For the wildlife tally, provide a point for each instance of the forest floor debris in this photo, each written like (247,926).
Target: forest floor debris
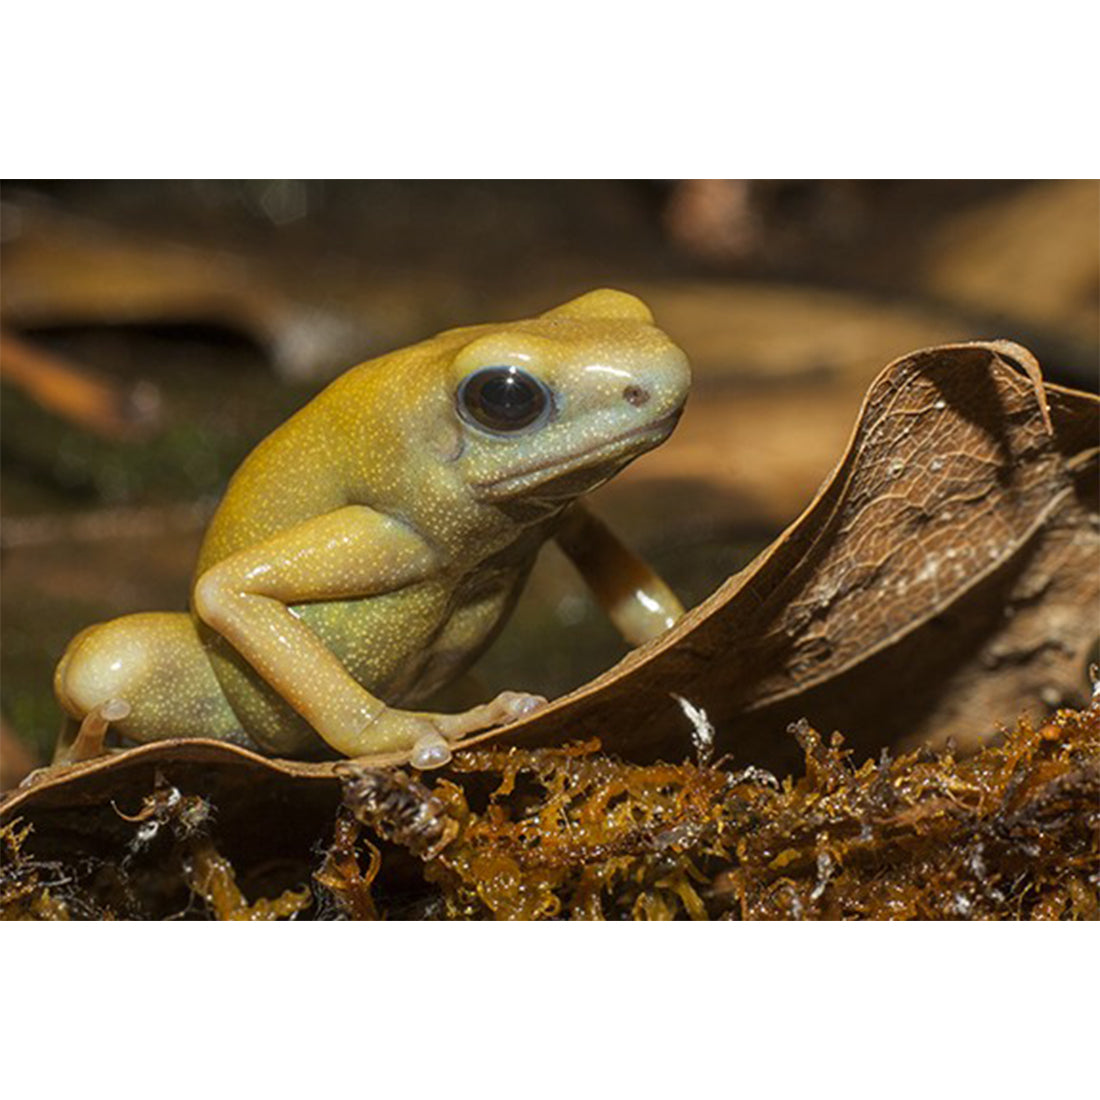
(1011,832)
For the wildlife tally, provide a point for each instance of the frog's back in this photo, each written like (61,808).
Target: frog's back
(336,450)
(287,478)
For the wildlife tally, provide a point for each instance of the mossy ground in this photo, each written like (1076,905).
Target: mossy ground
(1009,833)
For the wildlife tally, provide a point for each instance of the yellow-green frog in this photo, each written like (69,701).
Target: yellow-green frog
(370,548)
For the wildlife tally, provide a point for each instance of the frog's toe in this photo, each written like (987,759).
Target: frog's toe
(507,707)
(91,735)
(511,706)
(430,751)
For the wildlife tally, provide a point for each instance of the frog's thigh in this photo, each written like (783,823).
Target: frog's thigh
(155,663)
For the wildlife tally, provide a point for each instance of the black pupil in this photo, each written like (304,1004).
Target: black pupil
(503,398)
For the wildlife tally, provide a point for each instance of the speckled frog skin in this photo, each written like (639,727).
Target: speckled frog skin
(368,550)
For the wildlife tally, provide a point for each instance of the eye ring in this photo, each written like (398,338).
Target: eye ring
(504,400)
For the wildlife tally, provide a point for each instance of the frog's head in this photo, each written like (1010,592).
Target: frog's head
(552,407)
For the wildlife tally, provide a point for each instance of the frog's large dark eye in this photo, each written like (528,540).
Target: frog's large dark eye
(503,399)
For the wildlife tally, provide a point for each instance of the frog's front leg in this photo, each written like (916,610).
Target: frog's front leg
(351,553)
(638,602)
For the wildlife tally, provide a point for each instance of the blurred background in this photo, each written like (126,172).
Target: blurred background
(154,331)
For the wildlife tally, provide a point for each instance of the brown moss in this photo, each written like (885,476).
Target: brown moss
(212,877)
(26,891)
(1011,832)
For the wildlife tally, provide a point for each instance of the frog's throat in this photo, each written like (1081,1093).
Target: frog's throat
(611,454)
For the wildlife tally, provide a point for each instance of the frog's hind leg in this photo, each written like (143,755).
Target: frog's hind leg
(147,677)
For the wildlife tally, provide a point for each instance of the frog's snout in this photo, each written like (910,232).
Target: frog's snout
(658,385)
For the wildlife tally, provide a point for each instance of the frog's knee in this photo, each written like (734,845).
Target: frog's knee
(212,597)
(102,662)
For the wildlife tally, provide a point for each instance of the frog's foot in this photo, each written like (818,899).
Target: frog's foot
(92,732)
(433,749)
(507,707)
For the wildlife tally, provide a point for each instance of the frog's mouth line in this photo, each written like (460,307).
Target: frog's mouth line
(518,482)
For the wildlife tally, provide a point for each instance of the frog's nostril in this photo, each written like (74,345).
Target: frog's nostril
(636,395)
